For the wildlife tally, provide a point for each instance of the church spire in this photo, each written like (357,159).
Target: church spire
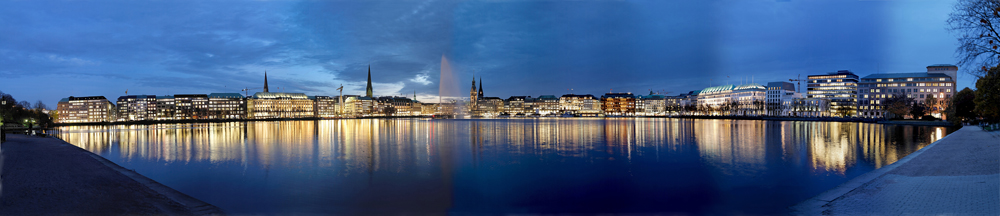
(480,88)
(368,90)
(265,81)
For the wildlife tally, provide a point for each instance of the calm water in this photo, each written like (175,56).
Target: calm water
(365,166)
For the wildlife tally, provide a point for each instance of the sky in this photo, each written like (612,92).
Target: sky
(55,49)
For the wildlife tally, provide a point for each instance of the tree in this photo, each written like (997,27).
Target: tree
(976,22)
(918,110)
(898,105)
(962,106)
(988,95)
(389,111)
(24,105)
(932,104)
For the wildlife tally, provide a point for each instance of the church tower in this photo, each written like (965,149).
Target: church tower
(480,94)
(473,95)
(368,90)
(265,82)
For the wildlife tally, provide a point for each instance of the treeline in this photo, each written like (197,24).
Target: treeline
(23,112)
(980,105)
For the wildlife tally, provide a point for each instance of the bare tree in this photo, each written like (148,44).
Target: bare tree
(976,22)
(24,104)
(40,106)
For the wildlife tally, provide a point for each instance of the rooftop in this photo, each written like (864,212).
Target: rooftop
(904,75)
(279,95)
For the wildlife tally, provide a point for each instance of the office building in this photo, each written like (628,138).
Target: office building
(190,106)
(226,106)
(326,106)
(840,88)
(937,82)
(90,109)
(269,105)
(778,93)
(136,108)
(165,109)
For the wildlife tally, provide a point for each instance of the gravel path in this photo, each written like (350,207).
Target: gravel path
(48,176)
(957,175)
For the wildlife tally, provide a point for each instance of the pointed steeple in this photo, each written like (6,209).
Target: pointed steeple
(368,90)
(265,81)
(480,88)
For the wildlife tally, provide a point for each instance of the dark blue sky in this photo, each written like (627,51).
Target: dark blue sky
(55,49)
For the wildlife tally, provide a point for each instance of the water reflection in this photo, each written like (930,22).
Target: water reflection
(419,165)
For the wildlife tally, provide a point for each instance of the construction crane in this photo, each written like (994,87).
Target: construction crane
(798,79)
(341,90)
(246,91)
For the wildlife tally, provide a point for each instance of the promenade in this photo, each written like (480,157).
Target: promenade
(957,175)
(44,176)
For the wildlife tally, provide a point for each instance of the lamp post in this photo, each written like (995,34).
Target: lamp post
(30,123)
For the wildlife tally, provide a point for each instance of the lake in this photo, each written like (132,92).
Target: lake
(487,166)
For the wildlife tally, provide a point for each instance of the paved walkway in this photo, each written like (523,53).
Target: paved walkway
(957,175)
(45,176)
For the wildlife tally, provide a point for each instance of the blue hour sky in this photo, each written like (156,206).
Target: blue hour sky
(55,49)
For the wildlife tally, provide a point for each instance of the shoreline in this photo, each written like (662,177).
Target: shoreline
(930,177)
(766,118)
(41,173)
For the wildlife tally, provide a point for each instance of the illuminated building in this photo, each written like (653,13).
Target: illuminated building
(226,106)
(86,110)
(136,108)
(268,105)
(545,105)
(777,94)
(808,107)
(401,106)
(938,82)
(190,106)
(840,88)
(749,99)
(580,105)
(325,106)
(165,108)
(429,109)
(515,105)
(358,106)
(618,104)
(491,106)
(716,96)
(650,105)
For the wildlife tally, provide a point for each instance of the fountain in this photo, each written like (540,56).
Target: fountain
(449,95)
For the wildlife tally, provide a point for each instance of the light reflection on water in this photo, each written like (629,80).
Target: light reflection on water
(508,166)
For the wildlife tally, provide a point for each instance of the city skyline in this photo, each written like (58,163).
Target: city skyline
(635,49)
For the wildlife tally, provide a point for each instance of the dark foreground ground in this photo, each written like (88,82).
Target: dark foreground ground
(44,176)
(957,175)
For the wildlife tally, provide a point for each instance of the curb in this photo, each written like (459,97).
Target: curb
(817,204)
(194,205)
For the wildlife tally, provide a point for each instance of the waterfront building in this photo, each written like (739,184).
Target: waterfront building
(190,106)
(396,106)
(427,109)
(358,106)
(491,106)
(226,106)
(136,108)
(618,104)
(165,109)
(90,109)
(715,100)
(673,105)
(651,105)
(325,106)
(515,105)
(748,99)
(840,88)
(268,105)
(808,107)
(580,105)
(777,94)
(937,82)
(546,105)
